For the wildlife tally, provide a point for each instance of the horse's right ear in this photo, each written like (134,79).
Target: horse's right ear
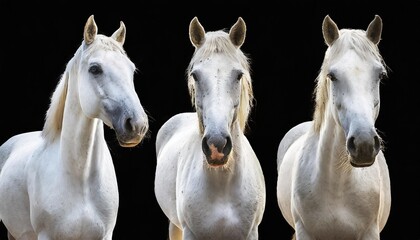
(90,31)
(196,32)
(330,30)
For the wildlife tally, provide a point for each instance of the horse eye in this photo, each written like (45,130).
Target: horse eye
(95,69)
(194,76)
(383,75)
(239,76)
(331,77)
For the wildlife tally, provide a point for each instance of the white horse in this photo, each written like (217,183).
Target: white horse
(333,180)
(60,183)
(209,182)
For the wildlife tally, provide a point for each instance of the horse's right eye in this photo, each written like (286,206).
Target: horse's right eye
(194,76)
(95,69)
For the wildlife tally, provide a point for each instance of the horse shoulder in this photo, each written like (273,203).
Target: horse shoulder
(290,137)
(171,138)
(247,148)
(176,124)
(17,145)
(383,167)
(288,151)
(256,177)
(252,158)
(385,205)
(15,155)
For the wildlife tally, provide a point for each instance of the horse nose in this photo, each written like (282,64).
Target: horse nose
(216,149)
(135,129)
(363,148)
(139,125)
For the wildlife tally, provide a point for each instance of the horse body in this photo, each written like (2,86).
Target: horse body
(60,183)
(51,197)
(333,180)
(209,182)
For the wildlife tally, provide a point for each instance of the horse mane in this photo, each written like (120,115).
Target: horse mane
(349,39)
(219,42)
(54,116)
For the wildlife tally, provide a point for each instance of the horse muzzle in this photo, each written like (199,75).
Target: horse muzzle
(216,149)
(131,132)
(363,148)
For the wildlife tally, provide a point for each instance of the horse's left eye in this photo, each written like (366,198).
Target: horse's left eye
(331,76)
(95,69)
(239,76)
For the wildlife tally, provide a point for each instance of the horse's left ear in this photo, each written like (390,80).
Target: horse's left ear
(90,31)
(237,32)
(374,30)
(119,34)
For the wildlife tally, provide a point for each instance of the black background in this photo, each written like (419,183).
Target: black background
(285,44)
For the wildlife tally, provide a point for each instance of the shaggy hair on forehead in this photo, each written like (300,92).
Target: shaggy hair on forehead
(105,43)
(349,39)
(218,42)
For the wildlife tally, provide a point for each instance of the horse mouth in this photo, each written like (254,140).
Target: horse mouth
(130,142)
(361,164)
(217,162)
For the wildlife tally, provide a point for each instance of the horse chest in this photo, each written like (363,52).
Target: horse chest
(345,215)
(211,207)
(356,198)
(229,217)
(68,209)
(81,220)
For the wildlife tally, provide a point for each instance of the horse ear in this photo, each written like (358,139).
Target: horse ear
(237,32)
(330,30)
(197,32)
(374,30)
(90,31)
(119,34)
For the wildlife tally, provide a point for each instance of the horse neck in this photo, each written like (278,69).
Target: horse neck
(331,151)
(82,139)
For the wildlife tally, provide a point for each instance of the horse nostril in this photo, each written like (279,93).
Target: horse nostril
(377,143)
(129,125)
(351,145)
(228,146)
(205,146)
(144,129)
